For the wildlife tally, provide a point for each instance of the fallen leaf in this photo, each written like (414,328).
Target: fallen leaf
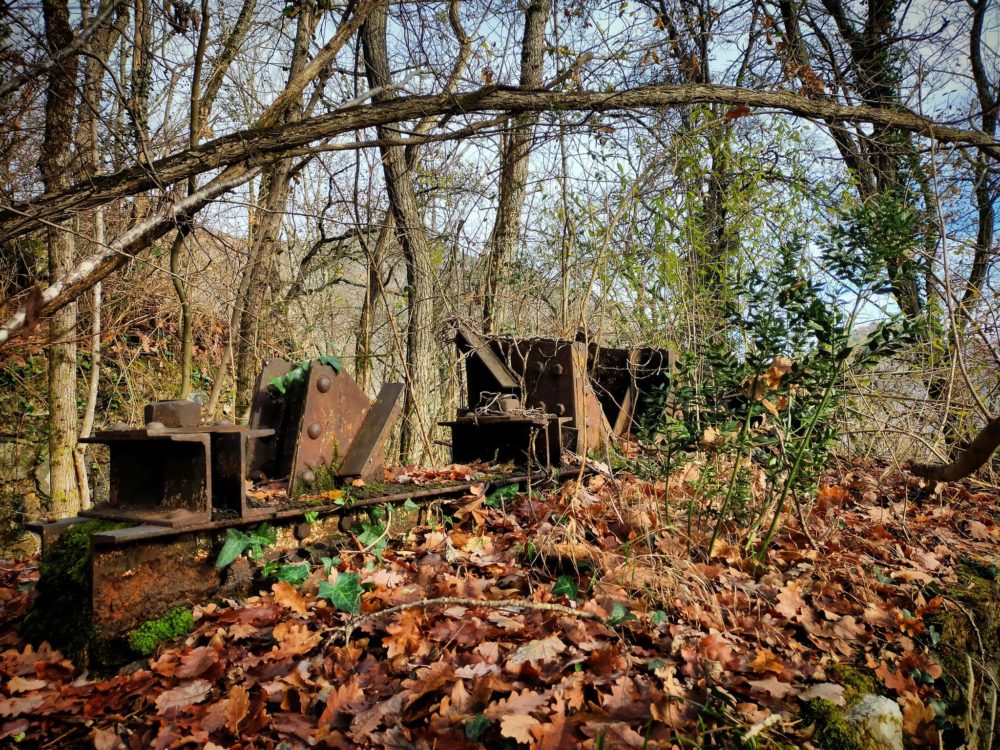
(288,596)
(774,688)
(766,661)
(826,691)
(237,708)
(537,651)
(185,694)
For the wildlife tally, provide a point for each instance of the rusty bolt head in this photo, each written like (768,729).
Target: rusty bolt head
(314,430)
(560,409)
(323,384)
(557,370)
(308,476)
(302,530)
(155,427)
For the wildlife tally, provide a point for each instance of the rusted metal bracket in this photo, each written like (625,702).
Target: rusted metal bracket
(584,394)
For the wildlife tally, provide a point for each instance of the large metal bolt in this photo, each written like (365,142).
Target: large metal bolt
(302,530)
(323,384)
(560,409)
(557,370)
(308,476)
(314,430)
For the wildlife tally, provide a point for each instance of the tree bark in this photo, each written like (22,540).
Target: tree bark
(60,106)
(418,408)
(968,461)
(266,144)
(276,188)
(102,34)
(183,231)
(263,142)
(514,161)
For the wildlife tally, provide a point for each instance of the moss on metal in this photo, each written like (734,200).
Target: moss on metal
(62,614)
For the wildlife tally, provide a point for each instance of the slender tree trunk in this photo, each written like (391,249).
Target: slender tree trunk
(514,160)
(254,304)
(253,308)
(418,407)
(373,288)
(176,275)
(60,106)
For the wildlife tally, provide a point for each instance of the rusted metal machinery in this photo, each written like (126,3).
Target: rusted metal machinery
(530,398)
(182,485)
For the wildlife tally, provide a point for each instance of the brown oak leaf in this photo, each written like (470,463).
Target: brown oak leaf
(537,651)
(185,694)
(288,596)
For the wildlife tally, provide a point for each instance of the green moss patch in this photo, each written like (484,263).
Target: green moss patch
(970,630)
(857,681)
(63,613)
(833,731)
(145,639)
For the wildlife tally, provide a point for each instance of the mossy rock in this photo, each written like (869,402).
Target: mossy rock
(63,614)
(857,682)
(970,630)
(832,729)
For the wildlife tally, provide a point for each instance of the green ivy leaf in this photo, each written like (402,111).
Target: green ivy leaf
(658,617)
(565,586)
(345,594)
(294,574)
(619,615)
(331,361)
(475,726)
(236,543)
(328,563)
(410,505)
(311,517)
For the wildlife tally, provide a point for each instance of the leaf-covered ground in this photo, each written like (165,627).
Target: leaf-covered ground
(627,637)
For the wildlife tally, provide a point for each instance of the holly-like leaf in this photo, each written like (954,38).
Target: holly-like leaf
(344,594)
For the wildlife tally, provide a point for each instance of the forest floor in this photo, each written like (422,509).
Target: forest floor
(622,634)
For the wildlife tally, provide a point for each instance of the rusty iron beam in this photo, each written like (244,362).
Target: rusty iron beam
(364,457)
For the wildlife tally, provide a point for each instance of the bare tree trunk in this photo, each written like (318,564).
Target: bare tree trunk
(60,105)
(374,255)
(274,196)
(985,183)
(88,152)
(418,407)
(179,282)
(515,156)
(253,304)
